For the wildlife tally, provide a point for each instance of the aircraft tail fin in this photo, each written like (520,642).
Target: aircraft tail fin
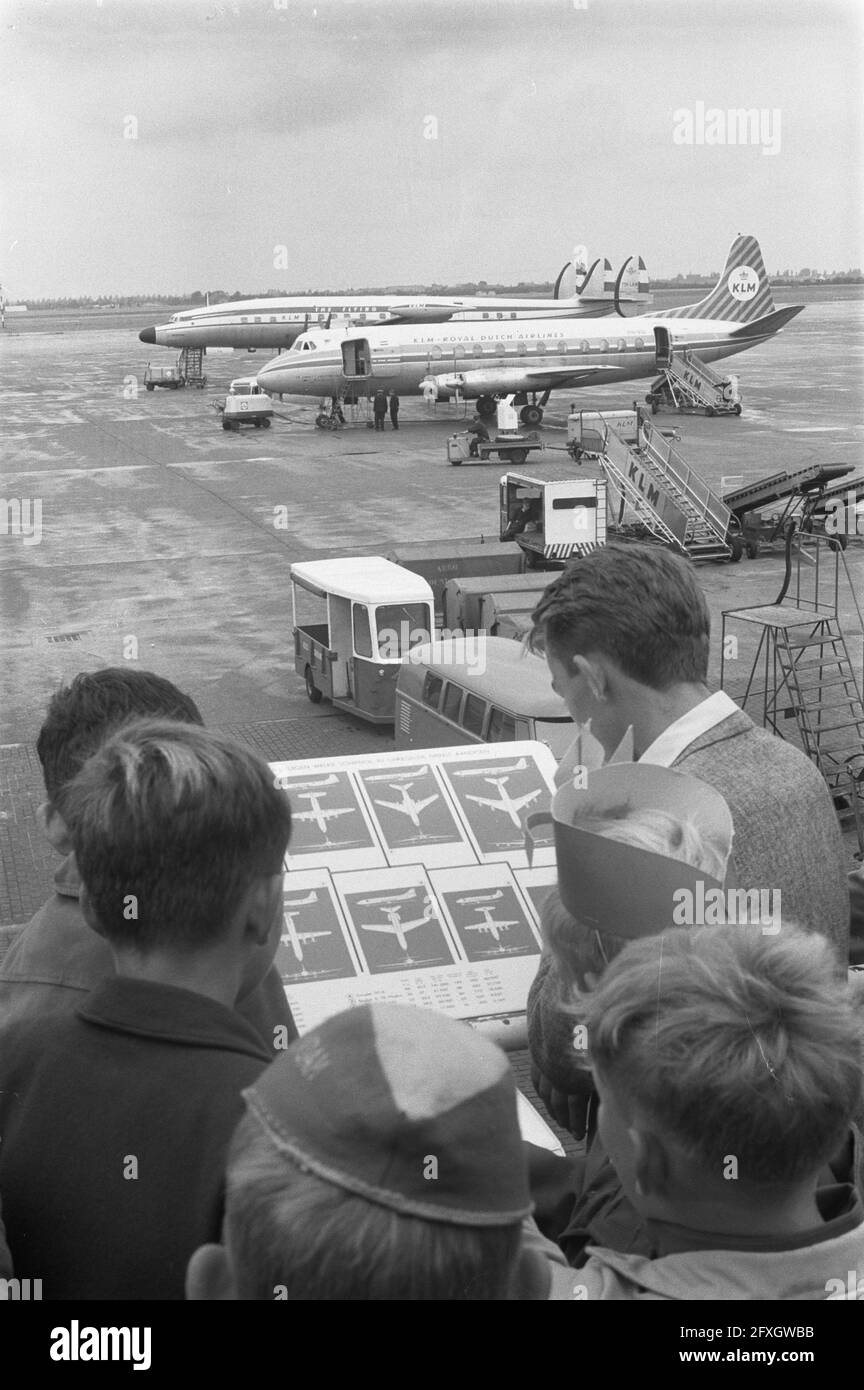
(576,280)
(742,293)
(633,283)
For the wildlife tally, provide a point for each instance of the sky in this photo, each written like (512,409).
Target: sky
(174,145)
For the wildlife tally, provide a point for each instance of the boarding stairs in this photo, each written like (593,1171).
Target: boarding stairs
(190,365)
(688,383)
(668,498)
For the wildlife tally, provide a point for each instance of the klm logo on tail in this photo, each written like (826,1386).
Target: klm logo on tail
(742,293)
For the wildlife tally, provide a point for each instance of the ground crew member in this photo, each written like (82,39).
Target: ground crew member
(478,431)
(394,410)
(379,408)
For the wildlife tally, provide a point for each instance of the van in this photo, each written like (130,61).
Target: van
(478,690)
(440,561)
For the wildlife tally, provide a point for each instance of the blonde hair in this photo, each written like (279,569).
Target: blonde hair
(649,828)
(732,1043)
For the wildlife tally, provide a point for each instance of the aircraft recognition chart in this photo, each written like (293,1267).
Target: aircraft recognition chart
(407,880)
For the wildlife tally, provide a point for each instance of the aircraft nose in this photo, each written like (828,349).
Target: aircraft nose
(147,335)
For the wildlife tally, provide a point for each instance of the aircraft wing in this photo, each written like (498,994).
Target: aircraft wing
(393,806)
(486,801)
(384,927)
(565,376)
(427,801)
(311,935)
(324,812)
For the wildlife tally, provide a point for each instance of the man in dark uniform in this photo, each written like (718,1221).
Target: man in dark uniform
(478,431)
(379,408)
(394,410)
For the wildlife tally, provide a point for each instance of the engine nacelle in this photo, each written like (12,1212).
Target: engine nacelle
(491,381)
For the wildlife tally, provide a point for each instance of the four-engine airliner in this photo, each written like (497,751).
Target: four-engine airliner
(277,321)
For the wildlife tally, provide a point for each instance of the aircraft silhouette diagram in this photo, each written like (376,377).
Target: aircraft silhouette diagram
(407,806)
(505,803)
(391,907)
(484,904)
(291,936)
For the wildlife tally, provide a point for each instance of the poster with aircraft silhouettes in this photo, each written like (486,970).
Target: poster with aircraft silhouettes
(407,880)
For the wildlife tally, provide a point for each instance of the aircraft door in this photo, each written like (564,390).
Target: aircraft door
(662,346)
(356,358)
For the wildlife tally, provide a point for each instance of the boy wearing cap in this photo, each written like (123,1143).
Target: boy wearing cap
(57,960)
(116,1117)
(729,1068)
(379,1158)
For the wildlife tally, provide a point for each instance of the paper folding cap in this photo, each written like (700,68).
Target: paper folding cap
(623,888)
(405,1107)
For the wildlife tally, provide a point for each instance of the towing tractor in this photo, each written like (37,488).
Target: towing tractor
(245,404)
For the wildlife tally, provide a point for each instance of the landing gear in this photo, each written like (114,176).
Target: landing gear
(531,415)
(311,688)
(486,407)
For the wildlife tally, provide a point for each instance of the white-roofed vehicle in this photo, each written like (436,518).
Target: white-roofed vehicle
(246,404)
(364,615)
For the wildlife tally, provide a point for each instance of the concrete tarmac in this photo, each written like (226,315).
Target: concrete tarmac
(159,529)
(166,539)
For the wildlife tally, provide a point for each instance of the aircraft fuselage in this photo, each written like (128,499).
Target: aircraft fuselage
(527,356)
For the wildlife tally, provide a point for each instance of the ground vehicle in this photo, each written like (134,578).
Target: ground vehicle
(552,519)
(510,448)
(463,598)
(478,690)
(373,613)
(169,377)
(440,561)
(246,404)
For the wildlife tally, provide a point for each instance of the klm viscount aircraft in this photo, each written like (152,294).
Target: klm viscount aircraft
(276,322)
(481,361)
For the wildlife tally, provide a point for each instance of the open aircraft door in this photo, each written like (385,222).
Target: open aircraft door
(356,359)
(662,346)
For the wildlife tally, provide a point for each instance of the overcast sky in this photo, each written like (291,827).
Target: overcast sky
(173,145)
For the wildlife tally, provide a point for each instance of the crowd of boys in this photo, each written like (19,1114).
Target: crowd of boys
(165,1134)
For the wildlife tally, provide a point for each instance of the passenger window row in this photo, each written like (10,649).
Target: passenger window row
(470,711)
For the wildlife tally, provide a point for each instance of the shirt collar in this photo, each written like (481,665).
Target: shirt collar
(168,1014)
(697,721)
(838,1204)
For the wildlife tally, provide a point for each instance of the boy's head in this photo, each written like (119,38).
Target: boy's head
(728,1065)
(380,1158)
(178,832)
(80,717)
(625,615)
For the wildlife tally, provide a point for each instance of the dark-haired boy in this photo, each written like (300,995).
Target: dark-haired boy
(115,1117)
(57,959)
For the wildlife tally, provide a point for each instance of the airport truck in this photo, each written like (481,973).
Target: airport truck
(362,616)
(245,404)
(464,597)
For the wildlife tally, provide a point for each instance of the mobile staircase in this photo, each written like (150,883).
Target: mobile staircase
(190,365)
(661,494)
(686,383)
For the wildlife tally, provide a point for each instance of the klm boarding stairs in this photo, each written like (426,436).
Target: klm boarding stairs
(686,383)
(658,494)
(802,684)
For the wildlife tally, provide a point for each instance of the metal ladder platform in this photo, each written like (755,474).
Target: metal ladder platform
(803,686)
(190,364)
(668,498)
